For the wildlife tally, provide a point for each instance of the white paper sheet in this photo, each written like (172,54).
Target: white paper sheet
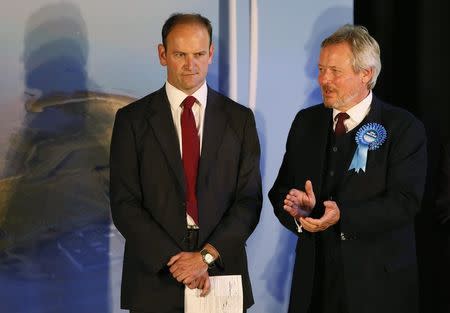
(225,296)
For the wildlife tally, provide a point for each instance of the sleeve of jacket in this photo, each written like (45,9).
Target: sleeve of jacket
(405,180)
(144,237)
(242,217)
(285,179)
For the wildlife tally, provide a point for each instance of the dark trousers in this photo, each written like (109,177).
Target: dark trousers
(328,287)
(190,244)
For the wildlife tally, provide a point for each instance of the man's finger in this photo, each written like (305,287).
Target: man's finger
(193,285)
(189,280)
(295,211)
(312,221)
(174,268)
(313,225)
(295,193)
(309,190)
(309,227)
(295,199)
(174,259)
(288,202)
(290,210)
(330,203)
(184,277)
(178,273)
(206,287)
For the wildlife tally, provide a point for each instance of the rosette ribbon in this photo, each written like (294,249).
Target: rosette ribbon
(369,137)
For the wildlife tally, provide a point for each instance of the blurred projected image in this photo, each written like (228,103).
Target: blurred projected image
(57,245)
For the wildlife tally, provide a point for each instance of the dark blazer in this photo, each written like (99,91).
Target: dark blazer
(443,214)
(148,193)
(377,209)
(443,189)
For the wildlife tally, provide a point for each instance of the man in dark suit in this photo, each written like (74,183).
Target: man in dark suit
(185,178)
(349,186)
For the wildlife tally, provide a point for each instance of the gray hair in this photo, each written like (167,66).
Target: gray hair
(365,49)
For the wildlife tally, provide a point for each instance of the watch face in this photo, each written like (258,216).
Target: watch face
(209,258)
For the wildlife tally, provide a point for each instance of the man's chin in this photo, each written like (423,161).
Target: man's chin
(192,83)
(190,87)
(328,104)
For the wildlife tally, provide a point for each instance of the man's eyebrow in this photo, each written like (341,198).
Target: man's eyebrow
(334,67)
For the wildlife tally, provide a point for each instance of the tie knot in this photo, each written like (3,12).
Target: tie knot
(340,128)
(188,102)
(341,117)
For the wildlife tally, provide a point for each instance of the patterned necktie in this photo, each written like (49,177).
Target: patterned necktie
(340,127)
(191,155)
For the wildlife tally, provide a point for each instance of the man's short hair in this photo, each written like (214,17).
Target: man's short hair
(185,18)
(365,49)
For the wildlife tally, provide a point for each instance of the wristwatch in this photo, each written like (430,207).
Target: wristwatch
(207,257)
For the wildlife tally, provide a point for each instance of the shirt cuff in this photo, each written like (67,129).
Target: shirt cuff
(299,226)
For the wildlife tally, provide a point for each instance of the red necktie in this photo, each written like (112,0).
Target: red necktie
(340,127)
(191,155)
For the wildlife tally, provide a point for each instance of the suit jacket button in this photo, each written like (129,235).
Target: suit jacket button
(343,236)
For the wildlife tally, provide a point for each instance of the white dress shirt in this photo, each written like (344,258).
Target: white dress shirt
(357,113)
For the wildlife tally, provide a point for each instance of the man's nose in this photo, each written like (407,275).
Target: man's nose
(324,77)
(189,62)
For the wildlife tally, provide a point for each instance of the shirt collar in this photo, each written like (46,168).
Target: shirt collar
(176,96)
(359,111)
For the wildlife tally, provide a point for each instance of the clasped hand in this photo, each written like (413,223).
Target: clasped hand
(299,205)
(188,268)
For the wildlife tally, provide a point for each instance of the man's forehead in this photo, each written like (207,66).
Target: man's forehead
(331,55)
(188,26)
(180,35)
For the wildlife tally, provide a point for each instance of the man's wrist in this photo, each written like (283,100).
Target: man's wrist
(207,257)
(212,250)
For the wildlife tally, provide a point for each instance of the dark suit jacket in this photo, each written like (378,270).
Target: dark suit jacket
(443,192)
(148,193)
(443,210)
(377,209)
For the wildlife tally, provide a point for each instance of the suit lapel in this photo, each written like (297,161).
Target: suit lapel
(213,131)
(161,121)
(374,115)
(318,146)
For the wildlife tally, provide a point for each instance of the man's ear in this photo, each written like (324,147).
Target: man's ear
(211,53)
(366,75)
(162,55)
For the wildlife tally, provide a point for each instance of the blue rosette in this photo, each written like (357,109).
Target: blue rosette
(369,137)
